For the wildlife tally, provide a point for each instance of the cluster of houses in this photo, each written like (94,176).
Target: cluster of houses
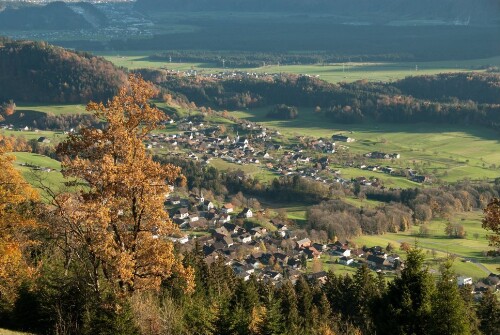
(491,283)
(278,254)
(203,142)
(408,172)
(307,158)
(204,215)
(251,249)
(382,155)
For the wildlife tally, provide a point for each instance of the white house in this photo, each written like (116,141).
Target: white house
(246,213)
(182,213)
(343,252)
(464,281)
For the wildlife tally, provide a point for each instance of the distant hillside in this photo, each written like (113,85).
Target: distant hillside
(380,11)
(39,72)
(53,16)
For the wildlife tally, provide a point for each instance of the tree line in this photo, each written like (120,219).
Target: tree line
(242,59)
(448,98)
(222,303)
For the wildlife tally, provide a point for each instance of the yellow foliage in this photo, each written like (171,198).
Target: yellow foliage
(257,320)
(118,223)
(14,225)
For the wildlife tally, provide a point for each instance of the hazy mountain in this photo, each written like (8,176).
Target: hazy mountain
(53,16)
(452,11)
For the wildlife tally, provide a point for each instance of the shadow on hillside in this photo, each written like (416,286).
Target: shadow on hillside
(25,118)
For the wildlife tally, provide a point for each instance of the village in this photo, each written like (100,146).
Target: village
(240,238)
(272,249)
(264,147)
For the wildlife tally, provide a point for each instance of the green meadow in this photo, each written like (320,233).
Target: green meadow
(51,108)
(451,152)
(40,178)
(334,73)
(254,170)
(468,252)
(55,137)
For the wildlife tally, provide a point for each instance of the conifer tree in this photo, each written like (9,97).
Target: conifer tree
(304,302)
(489,314)
(273,321)
(448,307)
(470,309)
(289,309)
(406,309)
(365,291)
(324,323)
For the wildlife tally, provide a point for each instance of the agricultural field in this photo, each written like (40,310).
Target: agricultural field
(467,253)
(51,108)
(54,137)
(448,151)
(334,73)
(39,170)
(254,170)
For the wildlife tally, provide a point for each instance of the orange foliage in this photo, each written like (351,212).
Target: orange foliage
(14,224)
(118,224)
(14,143)
(491,222)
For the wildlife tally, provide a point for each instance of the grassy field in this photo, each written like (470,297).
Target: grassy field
(469,248)
(54,178)
(253,170)
(51,108)
(55,137)
(336,72)
(452,152)
(436,245)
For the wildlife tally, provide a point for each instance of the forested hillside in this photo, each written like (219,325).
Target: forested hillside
(447,98)
(39,72)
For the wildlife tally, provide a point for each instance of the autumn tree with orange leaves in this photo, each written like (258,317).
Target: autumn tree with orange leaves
(116,226)
(491,222)
(15,227)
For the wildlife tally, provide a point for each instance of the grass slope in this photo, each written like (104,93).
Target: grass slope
(51,108)
(37,178)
